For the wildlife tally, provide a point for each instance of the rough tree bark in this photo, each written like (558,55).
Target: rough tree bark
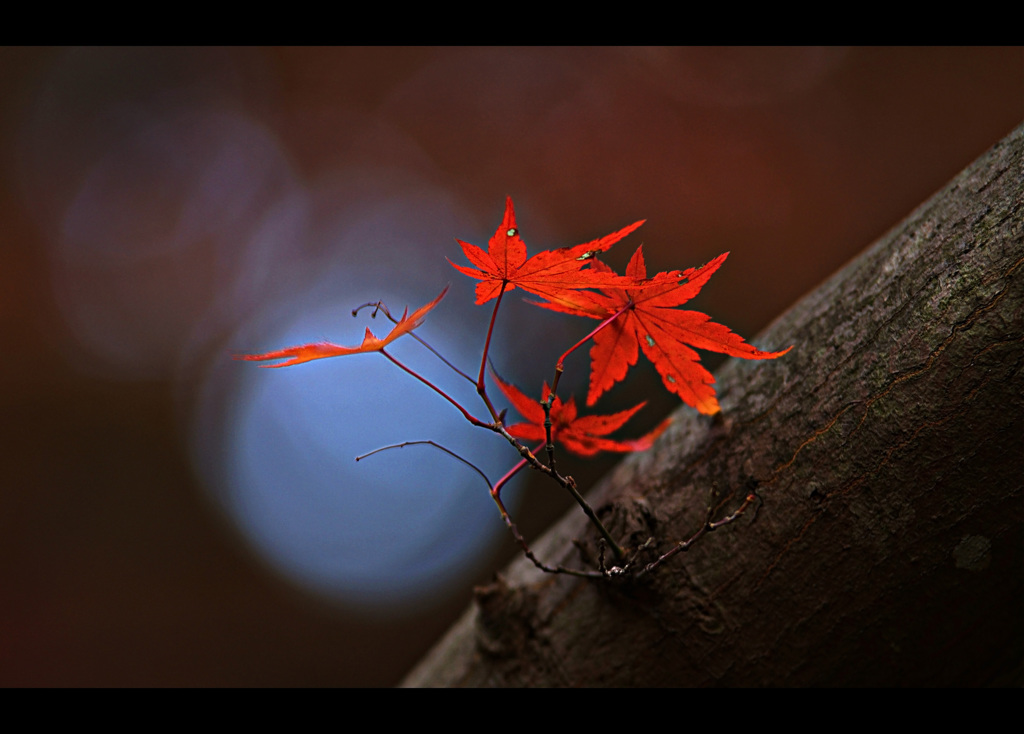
(888,448)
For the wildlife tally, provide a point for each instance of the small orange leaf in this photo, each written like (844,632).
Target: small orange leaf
(321,350)
(583,435)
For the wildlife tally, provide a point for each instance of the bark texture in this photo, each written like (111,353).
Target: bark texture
(888,448)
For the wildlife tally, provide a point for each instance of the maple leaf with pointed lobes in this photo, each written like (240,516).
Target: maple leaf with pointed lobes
(650,321)
(321,350)
(584,436)
(547,274)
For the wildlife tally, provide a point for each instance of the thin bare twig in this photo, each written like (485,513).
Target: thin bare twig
(481,387)
(472,419)
(379,306)
(495,491)
(566,482)
(708,527)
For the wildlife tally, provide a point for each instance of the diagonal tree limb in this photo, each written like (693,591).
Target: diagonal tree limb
(888,448)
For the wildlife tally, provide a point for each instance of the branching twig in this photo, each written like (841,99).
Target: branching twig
(495,490)
(472,419)
(379,306)
(566,482)
(706,528)
(555,275)
(530,458)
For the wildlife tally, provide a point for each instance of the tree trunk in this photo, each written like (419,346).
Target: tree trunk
(888,449)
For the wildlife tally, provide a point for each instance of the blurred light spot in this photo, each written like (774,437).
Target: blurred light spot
(277,447)
(402,527)
(177,229)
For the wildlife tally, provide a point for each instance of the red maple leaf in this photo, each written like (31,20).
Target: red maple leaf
(649,320)
(584,436)
(547,274)
(320,350)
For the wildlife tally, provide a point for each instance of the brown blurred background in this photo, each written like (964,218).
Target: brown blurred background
(154,202)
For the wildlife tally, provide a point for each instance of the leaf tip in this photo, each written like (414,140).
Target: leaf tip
(709,406)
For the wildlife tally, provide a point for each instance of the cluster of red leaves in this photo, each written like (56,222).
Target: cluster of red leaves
(636,312)
(572,281)
(640,313)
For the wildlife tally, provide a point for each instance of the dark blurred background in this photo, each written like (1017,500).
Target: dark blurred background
(171,517)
